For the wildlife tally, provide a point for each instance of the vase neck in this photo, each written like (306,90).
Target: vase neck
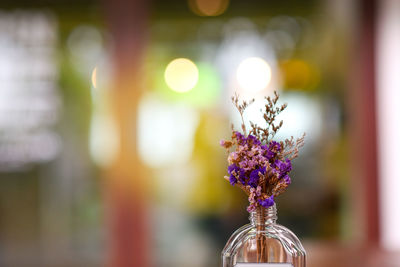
(263,215)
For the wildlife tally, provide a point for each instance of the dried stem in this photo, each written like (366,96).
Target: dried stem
(241,107)
(260,237)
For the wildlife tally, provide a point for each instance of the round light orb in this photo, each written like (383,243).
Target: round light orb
(181,75)
(208,7)
(253,74)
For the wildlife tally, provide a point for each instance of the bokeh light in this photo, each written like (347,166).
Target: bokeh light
(104,143)
(205,94)
(85,45)
(253,74)
(299,74)
(181,75)
(208,7)
(166,131)
(94,78)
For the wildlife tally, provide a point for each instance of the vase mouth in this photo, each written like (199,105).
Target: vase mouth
(263,215)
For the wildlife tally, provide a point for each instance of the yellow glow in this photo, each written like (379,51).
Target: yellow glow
(208,7)
(299,74)
(181,75)
(94,77)
(253,74)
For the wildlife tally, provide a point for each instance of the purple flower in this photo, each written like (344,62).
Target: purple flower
(269,154)
(232,168)
(251,163)
(287,180)
(243,163)
(283,167)
(255,177)
(253,140)
(264,147)
(274,146)
(271,150)
(239,137)
(266,203)
(235,171)
(232,179)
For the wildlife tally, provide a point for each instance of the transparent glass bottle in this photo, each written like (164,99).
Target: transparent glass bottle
(263,241)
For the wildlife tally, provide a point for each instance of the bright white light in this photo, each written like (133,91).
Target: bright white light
(181,75)
(29,95)
(166,132)
(253,74)
(388,99)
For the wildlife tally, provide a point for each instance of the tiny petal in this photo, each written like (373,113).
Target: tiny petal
(226,144)
(254,178)
(287,179)
(253,140)
(251,208)
(232,179)
(233,156)
(232,168)
(258,191)
(268,202)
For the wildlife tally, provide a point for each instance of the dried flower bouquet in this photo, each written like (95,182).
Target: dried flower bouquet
(259,165)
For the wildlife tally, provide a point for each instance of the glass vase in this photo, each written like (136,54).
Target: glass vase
(263,242)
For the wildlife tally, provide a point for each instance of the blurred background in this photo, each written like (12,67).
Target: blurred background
(111,113)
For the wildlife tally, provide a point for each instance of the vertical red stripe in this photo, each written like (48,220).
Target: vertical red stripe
(362,124)
(125,186)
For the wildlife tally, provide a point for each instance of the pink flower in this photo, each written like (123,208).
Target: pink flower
(258,191)
(251,207)
(233,156)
